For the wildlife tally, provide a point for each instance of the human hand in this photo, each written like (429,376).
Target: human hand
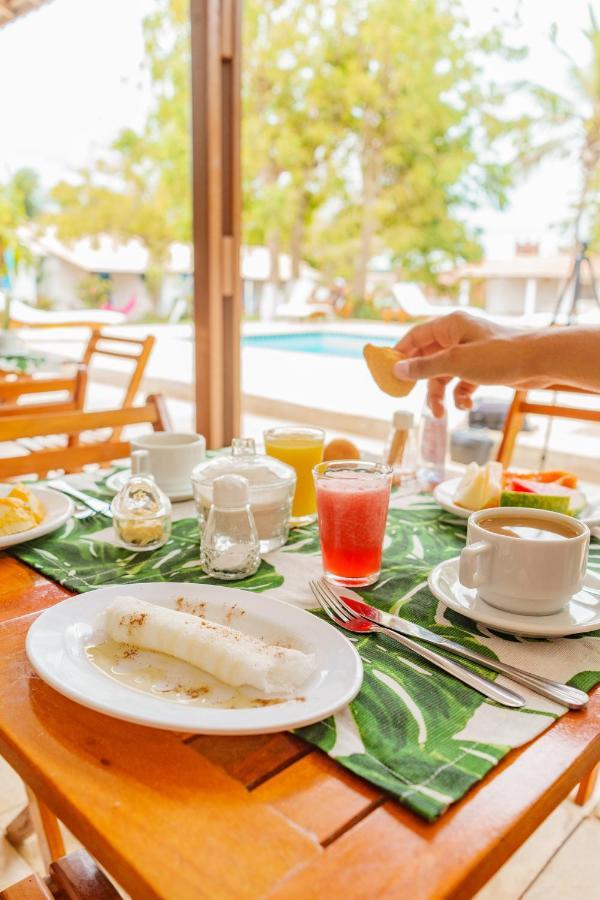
(476,351)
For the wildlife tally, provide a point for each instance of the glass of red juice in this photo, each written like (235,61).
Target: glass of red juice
(352,504)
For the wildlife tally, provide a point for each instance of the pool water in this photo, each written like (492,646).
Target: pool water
(319,342)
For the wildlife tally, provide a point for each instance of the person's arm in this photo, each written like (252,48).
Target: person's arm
(479,352)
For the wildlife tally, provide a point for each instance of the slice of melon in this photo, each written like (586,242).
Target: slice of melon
(577,499)
(559,504)
(381,362)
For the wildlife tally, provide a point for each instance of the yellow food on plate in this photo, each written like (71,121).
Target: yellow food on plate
(381,362)
(480,487)
(340,448)
(20,511)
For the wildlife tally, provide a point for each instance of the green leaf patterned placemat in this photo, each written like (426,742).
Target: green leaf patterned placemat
(412,730)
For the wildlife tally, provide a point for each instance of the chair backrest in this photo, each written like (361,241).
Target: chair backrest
(137,350)
(521,406)
(72,423)
(12,390)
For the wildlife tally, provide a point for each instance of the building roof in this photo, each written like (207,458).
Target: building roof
(12,9)
(522,267)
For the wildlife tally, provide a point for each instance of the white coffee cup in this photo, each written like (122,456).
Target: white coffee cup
(521,575)
(172,455)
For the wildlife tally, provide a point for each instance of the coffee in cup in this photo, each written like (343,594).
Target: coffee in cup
(525,561)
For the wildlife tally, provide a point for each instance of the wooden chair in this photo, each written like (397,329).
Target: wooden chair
(137,350)
(12,390)
(520,406)
(72,877)
(36,816)
(71,458)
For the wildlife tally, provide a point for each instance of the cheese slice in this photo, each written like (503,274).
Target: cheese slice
(229,655)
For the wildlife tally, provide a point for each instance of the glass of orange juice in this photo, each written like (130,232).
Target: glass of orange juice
(302,449)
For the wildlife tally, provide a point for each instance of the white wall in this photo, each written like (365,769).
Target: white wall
(60,282)
(505,296)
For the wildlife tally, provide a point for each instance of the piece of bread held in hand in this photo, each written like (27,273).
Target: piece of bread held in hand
(381,362)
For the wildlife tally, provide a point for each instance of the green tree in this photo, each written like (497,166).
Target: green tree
(368,128)
(20,204)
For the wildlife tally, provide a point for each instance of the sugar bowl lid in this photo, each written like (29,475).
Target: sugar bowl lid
(259,470)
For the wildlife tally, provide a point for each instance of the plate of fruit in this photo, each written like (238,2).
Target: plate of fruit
(483,487)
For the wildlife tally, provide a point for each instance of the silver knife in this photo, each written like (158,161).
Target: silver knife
(99,506)
(554,690)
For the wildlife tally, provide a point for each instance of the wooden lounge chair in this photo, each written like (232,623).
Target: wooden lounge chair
(24,316)
(72,877)
(79,449)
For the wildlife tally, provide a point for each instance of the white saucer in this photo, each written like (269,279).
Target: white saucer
(116,481)
(581,614)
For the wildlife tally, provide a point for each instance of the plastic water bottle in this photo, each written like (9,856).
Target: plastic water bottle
(433,440)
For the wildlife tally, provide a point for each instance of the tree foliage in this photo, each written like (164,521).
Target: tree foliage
(20,202)
(368,129)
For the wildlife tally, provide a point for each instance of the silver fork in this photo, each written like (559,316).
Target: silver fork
(358,625)
(554,690)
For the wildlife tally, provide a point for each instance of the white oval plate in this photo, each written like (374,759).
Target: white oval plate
(581,614)
(59,508)
(116,481)
(57,641)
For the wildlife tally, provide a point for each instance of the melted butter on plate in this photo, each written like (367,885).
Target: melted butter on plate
(171,679)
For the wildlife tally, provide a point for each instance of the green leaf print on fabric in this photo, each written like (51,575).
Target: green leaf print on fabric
(79,559)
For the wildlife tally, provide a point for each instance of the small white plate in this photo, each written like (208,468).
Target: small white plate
(444,494)
(57,642)
(116,481)
(58,509)
(581,614)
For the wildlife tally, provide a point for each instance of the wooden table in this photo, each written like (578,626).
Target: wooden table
(177,816)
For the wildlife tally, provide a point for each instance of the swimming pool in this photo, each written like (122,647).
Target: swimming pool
(322,343)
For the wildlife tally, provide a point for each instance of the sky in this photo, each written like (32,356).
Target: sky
(71,77)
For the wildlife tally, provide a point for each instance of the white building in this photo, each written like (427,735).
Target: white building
(60,268)
(524,285)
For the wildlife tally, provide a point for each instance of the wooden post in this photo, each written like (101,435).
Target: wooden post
(216,112)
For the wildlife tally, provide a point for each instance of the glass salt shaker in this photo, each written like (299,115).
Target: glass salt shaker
(230,544)
(141,511)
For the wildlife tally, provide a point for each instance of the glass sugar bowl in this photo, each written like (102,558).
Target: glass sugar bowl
(141,511)
(271,486)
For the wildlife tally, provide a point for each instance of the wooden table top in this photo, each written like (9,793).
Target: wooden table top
(178,816)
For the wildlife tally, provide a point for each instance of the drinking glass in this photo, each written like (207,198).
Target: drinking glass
(352,504)
(302,449)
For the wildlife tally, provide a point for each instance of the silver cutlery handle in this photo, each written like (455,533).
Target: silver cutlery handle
(486,687)
(554,690)
(64,488)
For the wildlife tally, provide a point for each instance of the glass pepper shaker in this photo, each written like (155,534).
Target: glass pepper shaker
(230,544)
(141,511)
